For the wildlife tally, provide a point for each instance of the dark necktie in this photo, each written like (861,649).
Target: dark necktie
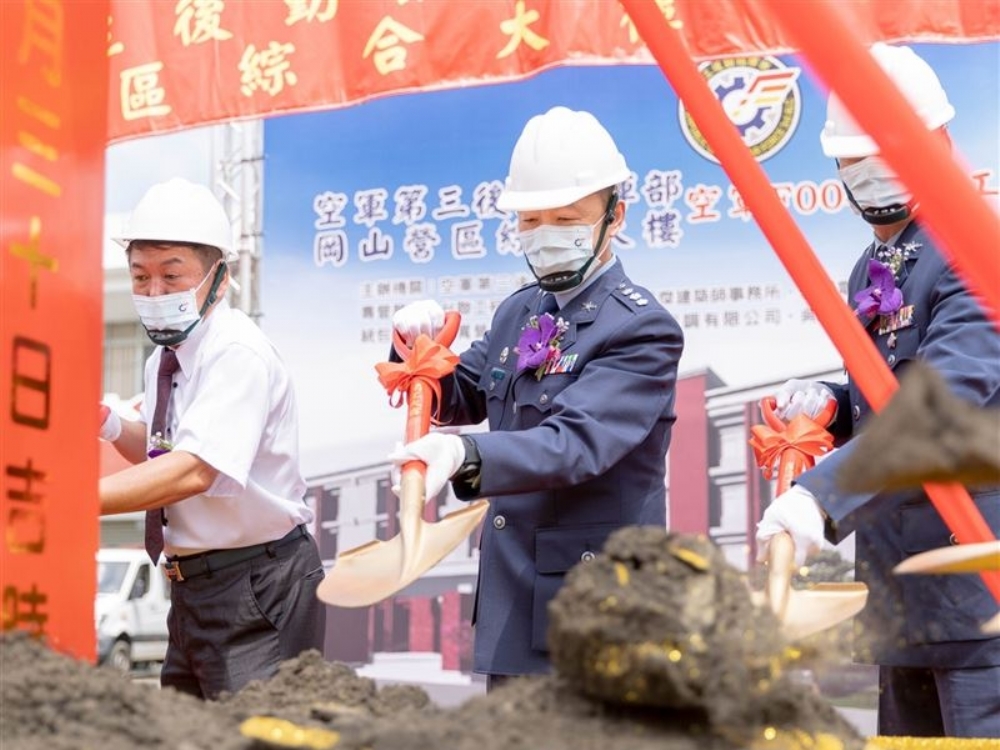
(164,385)
(548,304)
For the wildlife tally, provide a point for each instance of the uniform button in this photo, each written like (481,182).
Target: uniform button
(543,399)
(892,359)
(952,539)
(499,522)
(587,556)
(856,411)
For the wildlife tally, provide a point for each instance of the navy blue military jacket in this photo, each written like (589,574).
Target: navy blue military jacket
(570,456)
(931,621)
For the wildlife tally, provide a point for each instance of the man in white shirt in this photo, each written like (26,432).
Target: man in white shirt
(215,456)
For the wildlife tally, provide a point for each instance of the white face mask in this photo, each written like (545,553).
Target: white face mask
(873,184)
(169,318)
(560,257)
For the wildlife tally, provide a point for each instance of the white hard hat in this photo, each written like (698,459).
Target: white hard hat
(180,211)
(842,137)
(561,157)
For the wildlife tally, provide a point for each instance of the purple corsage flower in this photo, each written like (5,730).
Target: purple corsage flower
(539,343)
(882,297)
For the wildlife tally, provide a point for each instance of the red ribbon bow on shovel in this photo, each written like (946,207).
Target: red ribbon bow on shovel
(416,378)
(793,447)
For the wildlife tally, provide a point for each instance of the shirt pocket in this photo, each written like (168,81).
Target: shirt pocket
(495,382)
(535,397)
(906,342)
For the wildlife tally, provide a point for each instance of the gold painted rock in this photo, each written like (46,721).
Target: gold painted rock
(661,619)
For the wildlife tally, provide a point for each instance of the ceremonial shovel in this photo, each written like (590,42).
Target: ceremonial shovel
(374,571)
(794,447)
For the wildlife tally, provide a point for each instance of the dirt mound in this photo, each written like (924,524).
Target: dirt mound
(739,697)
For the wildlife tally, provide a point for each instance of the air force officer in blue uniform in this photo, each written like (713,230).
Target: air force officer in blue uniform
(939,673)
(576,378)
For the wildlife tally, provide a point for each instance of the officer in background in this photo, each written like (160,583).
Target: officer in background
(939,674)
(215,454)
(576,378)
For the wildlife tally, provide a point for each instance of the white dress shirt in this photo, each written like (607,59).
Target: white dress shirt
(233,406)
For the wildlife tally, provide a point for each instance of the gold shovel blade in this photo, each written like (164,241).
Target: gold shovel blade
(805,612)
(822,606)
(992,626)
(961,558)
(377,570)
(813,610)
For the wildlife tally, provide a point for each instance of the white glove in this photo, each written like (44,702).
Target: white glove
(111,424)
(443,454)
(801,397)
(425,316)
(797,512)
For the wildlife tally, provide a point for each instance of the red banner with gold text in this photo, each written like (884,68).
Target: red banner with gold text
(52,130)
(176,63)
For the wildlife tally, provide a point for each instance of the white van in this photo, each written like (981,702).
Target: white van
(133,599)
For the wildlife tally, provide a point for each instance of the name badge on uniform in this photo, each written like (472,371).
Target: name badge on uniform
(902,318)
(565,363)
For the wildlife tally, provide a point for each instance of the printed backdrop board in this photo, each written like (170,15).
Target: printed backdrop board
(374,206)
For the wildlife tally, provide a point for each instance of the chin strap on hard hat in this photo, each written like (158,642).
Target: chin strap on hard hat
(881,216)
(173,338)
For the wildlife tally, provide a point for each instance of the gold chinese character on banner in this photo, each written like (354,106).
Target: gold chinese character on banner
(199,21)
(114,48)
(141,93)
(268,70)
(43,33)
(669,10)
(36,141)
(32,253)
(310,10)
(517,29)
(388,39)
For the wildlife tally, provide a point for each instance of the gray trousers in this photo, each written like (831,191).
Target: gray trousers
(238,624)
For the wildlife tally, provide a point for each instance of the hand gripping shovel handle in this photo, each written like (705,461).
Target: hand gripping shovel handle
(781,550)
(794,447)
(372,572)
(419,407)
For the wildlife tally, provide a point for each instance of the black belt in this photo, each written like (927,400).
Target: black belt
(182,568)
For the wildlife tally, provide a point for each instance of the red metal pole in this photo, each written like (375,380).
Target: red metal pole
(968,228)
(863,361)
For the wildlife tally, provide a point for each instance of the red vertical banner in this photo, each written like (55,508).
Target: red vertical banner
(53,96)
